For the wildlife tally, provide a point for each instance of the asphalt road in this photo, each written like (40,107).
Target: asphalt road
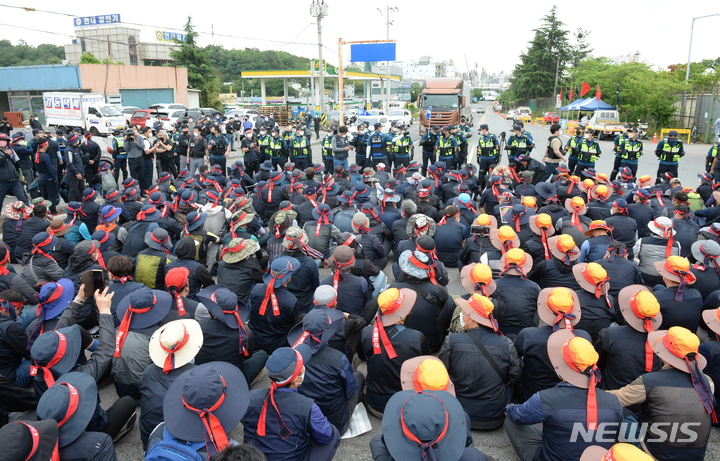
(493,443)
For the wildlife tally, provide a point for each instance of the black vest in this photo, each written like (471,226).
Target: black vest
(449,238)
(624,356)
(596,314)
(555,277)
(520,298)
(324,384)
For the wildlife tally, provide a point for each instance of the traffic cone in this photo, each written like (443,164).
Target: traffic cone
(655,137)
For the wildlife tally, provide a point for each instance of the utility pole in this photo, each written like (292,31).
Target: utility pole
(388,10)
(557,70)
(319,9)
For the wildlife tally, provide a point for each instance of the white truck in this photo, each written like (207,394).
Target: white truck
(605,123)
(88,111)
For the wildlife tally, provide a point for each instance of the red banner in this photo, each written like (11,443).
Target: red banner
(585,89)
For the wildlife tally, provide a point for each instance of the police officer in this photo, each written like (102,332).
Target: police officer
(428,142)
(277,148)
(119,155)
(218,148)
(518,142)
(463,133)
(251,153)
(460,139)
(327,151)
(712,165)
(263,142)
(301,151)
(9,164)
(75,169)
(619,140)
(630,151)
(487,151)
(360,144)
(446,147)
(589,152)
(389,140)
(376,147)
(669,151)
(403,149)
(573,146)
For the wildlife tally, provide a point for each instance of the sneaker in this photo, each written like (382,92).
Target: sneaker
(127,427)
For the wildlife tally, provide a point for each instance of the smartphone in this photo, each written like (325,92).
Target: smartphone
(98,280)
(93,280)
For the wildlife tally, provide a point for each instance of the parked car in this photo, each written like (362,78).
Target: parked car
(524,114)
(241,112)
(511,115)
(370,122)
(143,117)
(550,117)
(169,106)
(400,116)
(480,110)
(196,114)
(128,111)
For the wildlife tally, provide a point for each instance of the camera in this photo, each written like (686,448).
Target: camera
(480,230)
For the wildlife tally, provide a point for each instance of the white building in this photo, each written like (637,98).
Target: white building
(422,69)
(119,44)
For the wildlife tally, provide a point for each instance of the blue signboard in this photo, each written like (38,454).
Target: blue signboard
(101,20)
(163,36)
(370,52)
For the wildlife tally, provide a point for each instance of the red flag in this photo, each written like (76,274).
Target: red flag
(571,93)
(561,95)
(585,89)
(597,94)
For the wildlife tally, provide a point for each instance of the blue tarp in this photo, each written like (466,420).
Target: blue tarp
(587,104)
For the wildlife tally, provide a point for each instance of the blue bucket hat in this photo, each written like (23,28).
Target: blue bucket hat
(281,269)
(47,355)
(316,329)
(109,212)
(195,220)
(158,301)
(78,388)
(104,238)
(223,304)
(323,211)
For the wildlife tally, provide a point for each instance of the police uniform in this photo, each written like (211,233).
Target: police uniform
(446,146)
(588,153)
(277,147)
(328,154)
(463,134)
(301,152)
(428,142)
(402,148)
(669,155)
(629,152)
(487,152)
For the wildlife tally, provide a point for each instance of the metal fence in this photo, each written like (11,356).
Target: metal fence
(701,111)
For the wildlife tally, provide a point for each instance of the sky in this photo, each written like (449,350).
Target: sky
(490,35)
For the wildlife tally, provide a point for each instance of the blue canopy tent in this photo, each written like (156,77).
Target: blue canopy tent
(575,104)
(594,104)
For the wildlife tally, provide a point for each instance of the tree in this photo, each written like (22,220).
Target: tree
(415,90)
(549,51)
(89,58)
(201,74)
(23,54)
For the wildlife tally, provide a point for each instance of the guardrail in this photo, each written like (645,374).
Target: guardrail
(682,132)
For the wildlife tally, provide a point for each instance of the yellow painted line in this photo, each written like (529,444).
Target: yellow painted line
(481,121)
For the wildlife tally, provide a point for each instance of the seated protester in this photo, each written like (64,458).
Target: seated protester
(417,226)
(84,258)
(30,228)
(625,352)
(468,212)
(33,440)
(114,198)
(238,268)
(176,283)
(517,292)
(198,276)
(109,216)
(11,280)
(575,401)
(39,266)
(624,228)
(150,263)
(90,210)
(166,219)
(596,246)
(269,197)
(50,363)
(52,299)
(353,291)
(519,218)
(549,202)
(427,203)
(120,274)
(707,268)
(387,343)
(243,224)
(273,309)
(497,362)
(306,278)
(537,247)
(190,426)
(658,247)
(558,308)
(599,208)
(686,394)
(14,353)
(64,248)
(304,211)
(185,203)
(372,246)
(424,425)
(687,229)
(680,305)
(480,242)
(321,232)
(202,238)
(598,309)
(400,226)
(78,231)
(226,335)
(642,212)
(621,270)
(343,214)
(557,271)
(283,423)
(377,227)
(135,241)
(525,188)
(172,349)
(711,232)
(576,224)
(329,378)
(16,214)
(85,431)
(216,224)
(388,210)
(450,236)
(142,312)
(106,241)
(618,451)
(711,348)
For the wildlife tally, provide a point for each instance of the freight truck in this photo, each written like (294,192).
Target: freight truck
(88,111)
(448,99)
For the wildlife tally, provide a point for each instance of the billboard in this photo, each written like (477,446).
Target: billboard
(163,36)
(371,52)
(102,20)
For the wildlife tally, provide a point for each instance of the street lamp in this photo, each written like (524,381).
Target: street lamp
(687,69)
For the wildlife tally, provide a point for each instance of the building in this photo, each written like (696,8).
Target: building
(118,44)
(399,91)
(419,70)
(626,59)
(22,88)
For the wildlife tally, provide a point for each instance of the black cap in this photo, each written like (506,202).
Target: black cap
(484,126)
(378,125)
(672,134)
(436,127)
